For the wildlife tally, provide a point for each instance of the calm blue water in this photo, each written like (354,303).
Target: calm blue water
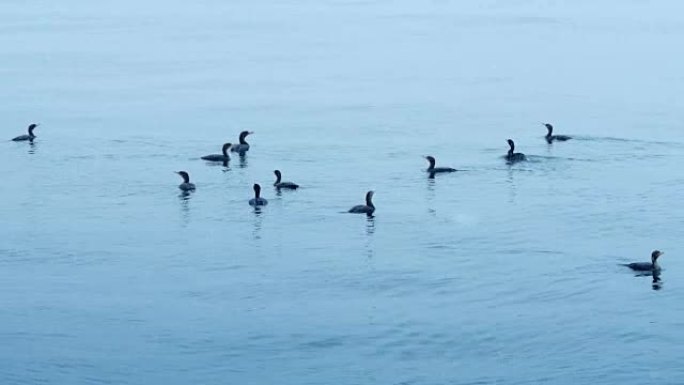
(497,275)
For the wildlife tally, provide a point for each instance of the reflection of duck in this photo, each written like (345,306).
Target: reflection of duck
(284,185)
(512,156)
(186,185)
(551,138)
(368,208)
(243,146)
(437,170)
(222,157)
(28,137)
(657,283)
(647,266)
(257,200)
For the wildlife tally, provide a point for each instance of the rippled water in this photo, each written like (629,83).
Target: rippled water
(495,275)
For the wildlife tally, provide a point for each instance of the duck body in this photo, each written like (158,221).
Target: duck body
(30,136)
(258,202)
(438,170)
(223,157)
(22,138)
(362,209)
(368,208)
(286,185)
(642,266)
(279,184)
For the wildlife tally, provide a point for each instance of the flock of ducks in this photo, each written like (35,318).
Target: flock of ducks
(368,208)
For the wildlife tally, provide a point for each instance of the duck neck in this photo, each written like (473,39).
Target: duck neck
(242,139)
(432,164)
(369,200)
(278,178)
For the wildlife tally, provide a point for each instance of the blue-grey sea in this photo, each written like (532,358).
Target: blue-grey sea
(497,274)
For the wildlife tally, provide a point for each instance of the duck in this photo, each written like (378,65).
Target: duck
(283,185)
(368,208)
(437,170)
(554,138)
(222,157)
(29,137)
(647,266)
(186,185)
(243,146)
(257,200)
(513,157)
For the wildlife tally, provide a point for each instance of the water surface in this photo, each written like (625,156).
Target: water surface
(496,275)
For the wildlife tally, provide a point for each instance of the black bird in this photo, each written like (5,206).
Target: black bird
(647,266)
(257,200)
(368,208)
(284,185)
(437,170)
(222,157)
(512,156)
(30,135)
(186,185)
(551,138)
(243,146)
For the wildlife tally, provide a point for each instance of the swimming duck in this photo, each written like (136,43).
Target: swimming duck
(551,138)
(30,135)
(368,208)
(186,185)
(283,185)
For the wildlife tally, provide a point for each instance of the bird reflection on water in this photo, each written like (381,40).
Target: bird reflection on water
(243,160)
(657,283)
(184,198)
(258,219)
(370,225)
(370,231)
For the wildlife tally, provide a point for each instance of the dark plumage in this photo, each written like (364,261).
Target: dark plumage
(257,200)
(647,266)
(222,157)
(186,185)
(368,208)
(554,138)
(437,170)
(30,135)
(242,146)
(283,185)
(512,156)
